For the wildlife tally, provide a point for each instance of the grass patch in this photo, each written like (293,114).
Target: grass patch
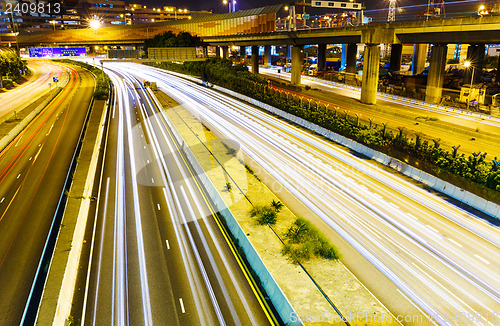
(304,241)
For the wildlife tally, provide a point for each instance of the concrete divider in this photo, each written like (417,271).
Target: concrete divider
(274,292)
(21,125)
(455,192)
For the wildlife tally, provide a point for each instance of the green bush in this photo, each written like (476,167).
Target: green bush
(303,240)
(264,215)
(7,83)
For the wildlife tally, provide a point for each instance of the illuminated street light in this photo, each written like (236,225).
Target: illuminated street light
(94,24)
(468,64)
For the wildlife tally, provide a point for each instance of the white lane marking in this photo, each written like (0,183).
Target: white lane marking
(147,161)
(144,147)
(152,180)
(142,135)
(159,207)
(39,145)
(18,176)
(19,140)
(168,245)
(378,196)
(30,158)
(433,229)
(482,259)
(1,201)
(410,215)
(456,243)
(394,205)
(50,130)
(182,306)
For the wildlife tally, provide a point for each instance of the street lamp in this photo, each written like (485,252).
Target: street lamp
(468,64)
(94,24)
(227,3)
(53,22)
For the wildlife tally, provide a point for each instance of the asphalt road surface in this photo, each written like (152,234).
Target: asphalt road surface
(158,257)
(32,173)
(437,259)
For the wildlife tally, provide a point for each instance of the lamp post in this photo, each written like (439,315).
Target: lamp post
(469,64)
(228,3)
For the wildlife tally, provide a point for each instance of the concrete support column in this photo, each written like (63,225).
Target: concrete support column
(497,78)
(225,52)
(370,74)
(475,54)
(243,53)
(343,57)
(267,55)
(321,57)
(396,52)
(297,61)
(217,51)
(419,56)
(255,59)
(352,52)
(435,78)
(289,52)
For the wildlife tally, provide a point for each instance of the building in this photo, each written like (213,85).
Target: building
(140,14)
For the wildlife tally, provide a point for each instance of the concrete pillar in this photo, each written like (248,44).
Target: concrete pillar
(267,55)
(343,57)
(243,53)
(475,54)
(497,78)
(419,56)
(321,57)
(371,63)
(396,52)
(289,52)
(297,61)
(225,52)
(255,59)
(217,52)
(352,52)
(435,78)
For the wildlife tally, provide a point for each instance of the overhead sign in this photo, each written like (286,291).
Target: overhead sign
(337,5)
(57,52)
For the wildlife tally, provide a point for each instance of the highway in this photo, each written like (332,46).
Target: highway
(453,127)
(33,169)
(443,260)
(158,256)
(38,84)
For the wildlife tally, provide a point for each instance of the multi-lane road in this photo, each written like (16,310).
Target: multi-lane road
(436,258)
(33,169)
(158,255)
(37,85)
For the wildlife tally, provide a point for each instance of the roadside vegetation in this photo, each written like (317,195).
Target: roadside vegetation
(171,40)
(466,171)
(102,80)
(12,69)
(302,240)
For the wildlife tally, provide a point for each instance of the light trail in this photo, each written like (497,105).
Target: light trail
(354,198)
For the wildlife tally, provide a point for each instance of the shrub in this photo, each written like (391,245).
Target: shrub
(303,240)
(264,215)
(277,205)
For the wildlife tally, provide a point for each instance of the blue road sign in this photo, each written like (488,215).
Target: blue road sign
(55,79)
